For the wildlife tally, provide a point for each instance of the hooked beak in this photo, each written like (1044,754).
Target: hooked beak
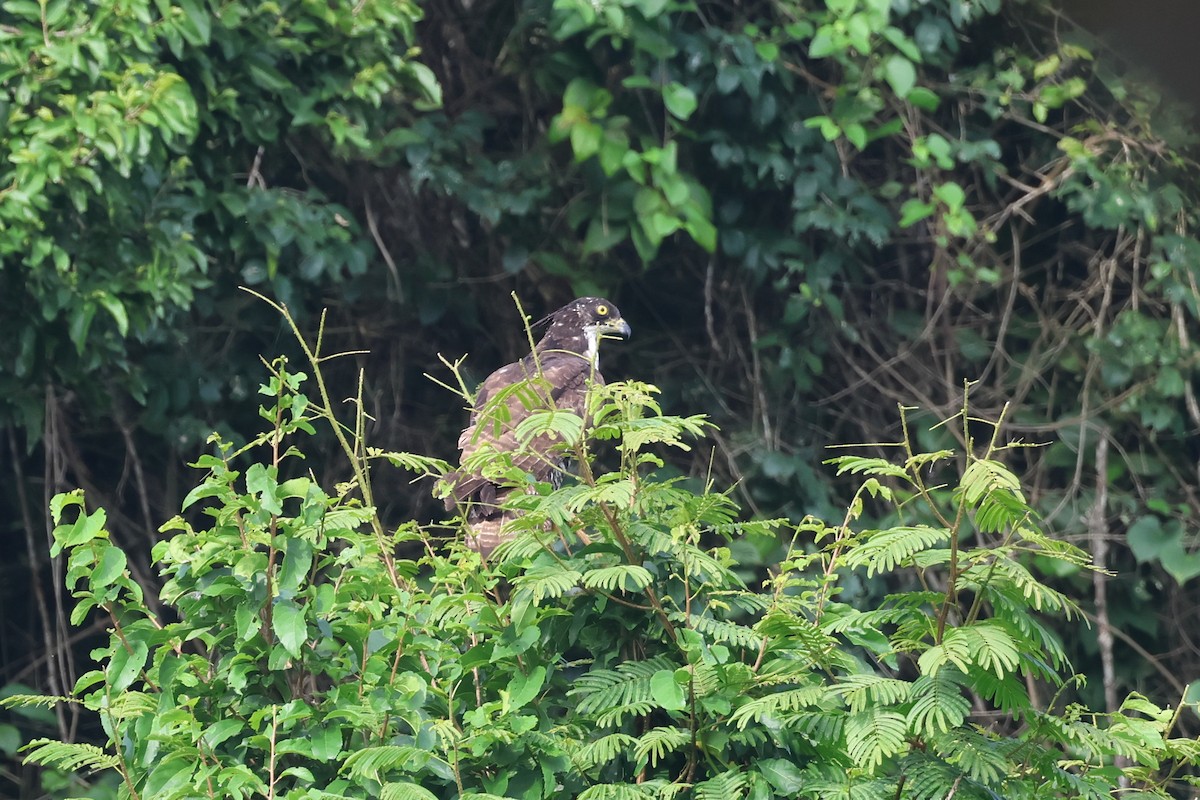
(617,327)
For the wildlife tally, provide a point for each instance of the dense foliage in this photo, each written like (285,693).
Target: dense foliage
(809,212)
(612,651)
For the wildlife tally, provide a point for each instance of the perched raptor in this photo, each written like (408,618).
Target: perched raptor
(555,375)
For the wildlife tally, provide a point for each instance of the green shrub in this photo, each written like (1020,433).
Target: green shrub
(304,659)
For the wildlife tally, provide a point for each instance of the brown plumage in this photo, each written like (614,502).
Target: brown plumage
(555,375)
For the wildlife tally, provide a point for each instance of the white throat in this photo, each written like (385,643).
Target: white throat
(593,345)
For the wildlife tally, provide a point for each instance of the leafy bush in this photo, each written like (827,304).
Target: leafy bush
(815,203)
(612,650)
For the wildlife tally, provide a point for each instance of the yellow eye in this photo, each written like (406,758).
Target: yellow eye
(601,310)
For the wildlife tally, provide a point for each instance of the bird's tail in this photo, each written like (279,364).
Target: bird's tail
(485,535)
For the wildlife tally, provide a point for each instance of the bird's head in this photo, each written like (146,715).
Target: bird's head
(584,321)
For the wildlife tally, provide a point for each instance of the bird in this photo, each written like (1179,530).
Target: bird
(555,375)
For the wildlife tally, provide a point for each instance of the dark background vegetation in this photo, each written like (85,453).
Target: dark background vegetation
(802,232)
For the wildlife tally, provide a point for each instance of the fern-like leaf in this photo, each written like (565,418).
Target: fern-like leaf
(719,630)
(35,700)
(370,762)
(983,758)
(938,704)
(603,750)
(985,477)
(68,757)
(615,694)
(422,465)
(405,791)
(984,644)
(874,735)
(704,567)
(547,581)
(612,717)
(778,705)
(623,577)
(799,633)
(930,778)
(858,465)
(1005,576)
(656,743)
(730,785)
(616,791)
(868,689)
(882,551)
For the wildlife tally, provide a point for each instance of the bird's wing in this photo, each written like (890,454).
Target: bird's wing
(506,399)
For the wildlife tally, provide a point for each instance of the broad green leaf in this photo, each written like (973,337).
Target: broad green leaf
(783,775)
(126,664)
(116,308)
(290,626)
(109,567)
(297,561)
(327,742)
(585,139)
(10,739)
(523,688)
(222,730)
(666,692)
(901,75)
(1146,538)
(86,528)
(924,99)
(261,482)
(679,100)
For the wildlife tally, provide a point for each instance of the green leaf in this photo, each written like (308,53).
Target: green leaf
(666,692)
(169,776)
(297,561)
(786,778)
(1146,538)
(874,735)
(68,756)
(523,688)
(901,75)
(198,26)
(680,100)
(427,81)
(10,739)
(261,482)
(221,730)
(86,528)
(585,139)
(1180,564)
(405,791)
(109,567)
(81,321)
(603,235)
(951,194)
(924,99)
(289,625)
(126,664)
(115,308)
(856,134)
(822,43)
(327,743)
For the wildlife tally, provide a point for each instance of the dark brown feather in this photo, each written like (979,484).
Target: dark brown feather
(555,375)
